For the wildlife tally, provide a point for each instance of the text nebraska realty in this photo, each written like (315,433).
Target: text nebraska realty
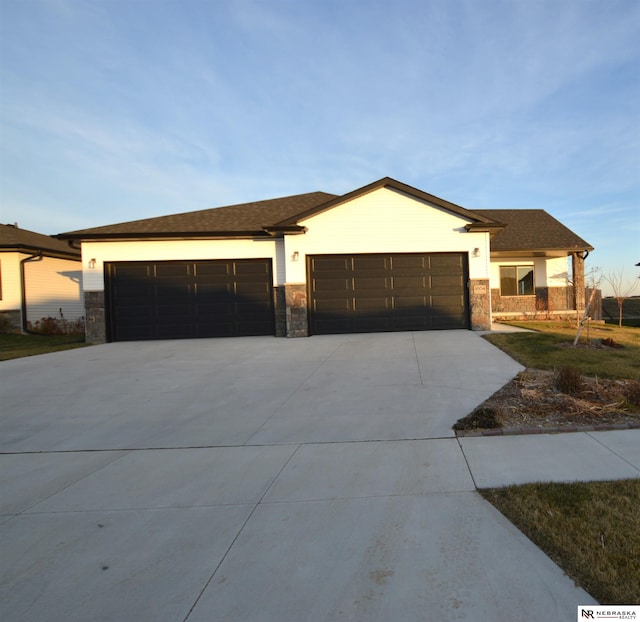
(616,614)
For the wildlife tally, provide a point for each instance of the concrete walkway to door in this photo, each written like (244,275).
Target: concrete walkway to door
(265,479)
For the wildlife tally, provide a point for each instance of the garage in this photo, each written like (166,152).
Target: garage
(384,257)
(189,299)
(387,292)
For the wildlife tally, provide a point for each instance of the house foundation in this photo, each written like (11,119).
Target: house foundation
(280,308)
(11,321)
(480,304)
(95,326)
(296,310)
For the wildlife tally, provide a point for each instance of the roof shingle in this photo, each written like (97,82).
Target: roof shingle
(524,229)
(13,238)
(242,218)
(532,229)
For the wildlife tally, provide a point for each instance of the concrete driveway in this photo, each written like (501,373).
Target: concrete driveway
(264,479)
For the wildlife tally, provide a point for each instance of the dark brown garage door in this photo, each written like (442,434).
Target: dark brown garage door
(188,299)
(387,292)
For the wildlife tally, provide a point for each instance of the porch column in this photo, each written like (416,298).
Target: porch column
(577,267)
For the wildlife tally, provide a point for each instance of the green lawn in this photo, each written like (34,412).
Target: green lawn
(548,348)
(590,529)
(16,346)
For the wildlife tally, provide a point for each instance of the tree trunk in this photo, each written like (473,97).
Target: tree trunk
(620,303)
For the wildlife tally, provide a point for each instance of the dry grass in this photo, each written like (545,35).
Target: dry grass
(596,383)
(547,399)
(589,529)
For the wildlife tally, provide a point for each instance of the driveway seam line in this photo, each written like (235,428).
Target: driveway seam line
(244,524)
(473,479)
(275,412)
(615,453)
(53,494)
(136,509)
(415,351)
(177,447)
(378,496)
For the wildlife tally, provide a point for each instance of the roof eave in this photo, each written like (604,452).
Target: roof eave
(46,252)
(280,230)
(388,182)
(163,236)
(520,249)
(485,227)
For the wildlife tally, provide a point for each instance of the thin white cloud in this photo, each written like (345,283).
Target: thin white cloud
(192,105)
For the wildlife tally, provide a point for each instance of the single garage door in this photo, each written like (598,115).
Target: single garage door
(188,299)
(387,292)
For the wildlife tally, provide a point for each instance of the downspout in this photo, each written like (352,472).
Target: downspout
(23,288)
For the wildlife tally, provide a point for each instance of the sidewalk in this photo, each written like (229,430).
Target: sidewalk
(582,456)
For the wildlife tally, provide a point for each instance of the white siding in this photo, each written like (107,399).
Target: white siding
(51,285)
(169,251)
(557,271)
(54,289)
(385,221)
(382,221)
(10,274)
(279,269)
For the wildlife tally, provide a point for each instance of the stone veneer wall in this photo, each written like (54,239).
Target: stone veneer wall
(296,312)
(280,305)
(95,327)
(11,321)
(577,272)
(292,317)
(546,299)
(551,303)
(480,304)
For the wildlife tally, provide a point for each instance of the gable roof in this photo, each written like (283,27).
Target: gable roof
(261,217)
(242,219)
(388,182)
(14,239)
(532,229)
(510,229)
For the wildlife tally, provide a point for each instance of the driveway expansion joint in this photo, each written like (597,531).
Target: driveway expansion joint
(244,524)
(260,550)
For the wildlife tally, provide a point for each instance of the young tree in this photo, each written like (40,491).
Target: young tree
(594,278)
(622,289)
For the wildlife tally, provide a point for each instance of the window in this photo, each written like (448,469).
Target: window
(516,281)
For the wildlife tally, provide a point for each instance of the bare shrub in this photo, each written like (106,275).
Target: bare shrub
(610,343)
(632,393)
(5,324)
(568,380)
(483,417)
(56,326)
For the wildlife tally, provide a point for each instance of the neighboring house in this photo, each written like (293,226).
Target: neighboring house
(40,277)
(385,257)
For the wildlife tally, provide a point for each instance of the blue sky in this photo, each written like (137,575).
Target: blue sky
(117,110)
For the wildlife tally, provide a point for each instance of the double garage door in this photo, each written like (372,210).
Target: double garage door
(189,299)
(230,298)
(388,292)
